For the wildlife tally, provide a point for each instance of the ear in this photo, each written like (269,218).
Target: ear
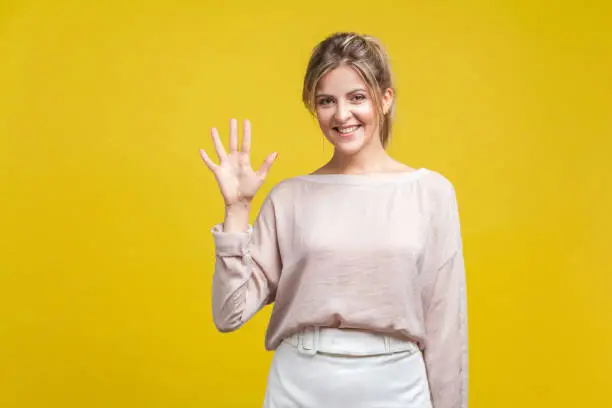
(387,100)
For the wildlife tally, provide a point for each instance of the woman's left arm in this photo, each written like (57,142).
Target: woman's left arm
(445,305)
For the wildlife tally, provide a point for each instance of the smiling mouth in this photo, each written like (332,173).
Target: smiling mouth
(346,130)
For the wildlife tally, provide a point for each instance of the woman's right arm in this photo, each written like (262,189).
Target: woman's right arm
(247,264)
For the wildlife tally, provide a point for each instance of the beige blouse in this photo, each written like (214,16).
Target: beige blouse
(376,252)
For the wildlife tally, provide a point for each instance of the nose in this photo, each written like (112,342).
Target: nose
(343,112)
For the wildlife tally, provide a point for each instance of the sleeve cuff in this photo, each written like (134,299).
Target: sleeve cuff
(231,243)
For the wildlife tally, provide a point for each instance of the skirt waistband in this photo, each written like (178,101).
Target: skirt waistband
(348,342)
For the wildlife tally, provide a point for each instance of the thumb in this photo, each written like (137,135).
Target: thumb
(265,167)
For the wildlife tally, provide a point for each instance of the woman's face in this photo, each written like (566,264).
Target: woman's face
(346,111)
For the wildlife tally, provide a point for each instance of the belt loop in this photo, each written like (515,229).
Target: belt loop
(315,339)
(387,344)
(308,347)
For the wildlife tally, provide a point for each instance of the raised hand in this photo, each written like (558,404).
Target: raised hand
(237,180)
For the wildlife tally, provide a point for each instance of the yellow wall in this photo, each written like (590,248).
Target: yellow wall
(106,254)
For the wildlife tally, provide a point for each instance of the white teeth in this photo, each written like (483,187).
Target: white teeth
(347,130)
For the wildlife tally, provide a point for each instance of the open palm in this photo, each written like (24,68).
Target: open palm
(237,180)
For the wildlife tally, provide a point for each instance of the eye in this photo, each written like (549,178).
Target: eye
(359,97)
(324,101)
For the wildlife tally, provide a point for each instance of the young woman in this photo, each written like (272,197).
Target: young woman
(362,258)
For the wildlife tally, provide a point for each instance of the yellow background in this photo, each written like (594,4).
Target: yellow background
(106,208)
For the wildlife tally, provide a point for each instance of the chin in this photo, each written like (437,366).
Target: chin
(348,149)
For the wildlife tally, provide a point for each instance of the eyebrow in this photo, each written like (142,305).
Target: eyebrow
(350,92)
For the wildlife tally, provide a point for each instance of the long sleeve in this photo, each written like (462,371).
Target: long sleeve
(445,306)
(247,270)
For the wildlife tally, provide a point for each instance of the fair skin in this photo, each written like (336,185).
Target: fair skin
(347,117)
(342,101)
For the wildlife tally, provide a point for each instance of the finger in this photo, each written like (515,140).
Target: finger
(233,143)
(246,137)
(265,167)
(212,166)
(218,145)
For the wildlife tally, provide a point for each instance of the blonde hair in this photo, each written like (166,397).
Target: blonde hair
(367,56)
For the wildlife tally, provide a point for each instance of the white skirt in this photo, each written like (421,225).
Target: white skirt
(334,368)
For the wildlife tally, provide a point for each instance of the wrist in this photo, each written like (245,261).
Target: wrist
(237,217)
(238,206)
